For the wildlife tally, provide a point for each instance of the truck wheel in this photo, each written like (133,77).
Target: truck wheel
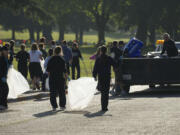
(152,86)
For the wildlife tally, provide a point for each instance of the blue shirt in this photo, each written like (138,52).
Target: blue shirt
(67,53)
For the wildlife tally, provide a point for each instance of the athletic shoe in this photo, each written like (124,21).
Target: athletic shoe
(3,107)
(62,108)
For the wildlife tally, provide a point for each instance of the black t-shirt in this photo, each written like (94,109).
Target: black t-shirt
(170,47)
(56,67)
(3,67)
(103,65)
(23,57)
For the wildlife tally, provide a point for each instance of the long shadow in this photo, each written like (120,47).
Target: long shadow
(165,92)
(96,114)
(45,114)
(38,97)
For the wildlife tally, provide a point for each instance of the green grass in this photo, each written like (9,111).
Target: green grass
(89,37)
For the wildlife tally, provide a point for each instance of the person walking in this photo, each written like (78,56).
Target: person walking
(102,69)
(56,69)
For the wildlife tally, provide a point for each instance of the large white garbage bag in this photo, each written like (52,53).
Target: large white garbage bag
(17,83)
(81,92)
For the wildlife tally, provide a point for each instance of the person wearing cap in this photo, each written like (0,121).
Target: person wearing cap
(169,46)
(76,53)
(4,89)
(102,70)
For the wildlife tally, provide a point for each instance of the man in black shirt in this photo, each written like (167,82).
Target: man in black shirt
(23,57)
(102,69)
(57,73)
(76,53)
(4,90)
(169,46)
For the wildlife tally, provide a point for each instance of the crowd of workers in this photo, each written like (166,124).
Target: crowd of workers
(57,65)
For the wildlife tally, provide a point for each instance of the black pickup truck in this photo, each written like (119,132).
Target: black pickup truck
(149,71)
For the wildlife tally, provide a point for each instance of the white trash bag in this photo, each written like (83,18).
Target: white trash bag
(17,83)
(47,83)
(81,92)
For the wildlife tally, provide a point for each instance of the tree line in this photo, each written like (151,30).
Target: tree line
(147,17)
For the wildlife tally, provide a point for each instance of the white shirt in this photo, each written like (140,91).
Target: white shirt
(35,56)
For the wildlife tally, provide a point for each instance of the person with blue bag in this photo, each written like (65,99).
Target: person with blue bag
(4,89)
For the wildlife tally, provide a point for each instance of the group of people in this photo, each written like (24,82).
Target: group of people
(57,65)
(40,65)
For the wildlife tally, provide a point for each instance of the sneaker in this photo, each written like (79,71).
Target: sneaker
(54,109)
(104,110)
(62,108)
(2,107)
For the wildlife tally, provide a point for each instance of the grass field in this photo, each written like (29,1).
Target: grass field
(89,37)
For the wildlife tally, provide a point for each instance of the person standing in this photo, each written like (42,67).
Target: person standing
(35,66)
(169,46)
(23,58)
(67,55)
(4,89)
(53,44)
(57,75)
(43,51)
(102,69)
(11,51)
(76,53)
(45,75)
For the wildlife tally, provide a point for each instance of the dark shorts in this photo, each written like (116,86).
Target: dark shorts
(35,70)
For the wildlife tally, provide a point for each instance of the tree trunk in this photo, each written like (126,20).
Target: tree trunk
(31,33)
(101,35)
(61,34)
(47,32)
(13,34)
(76,36)
(81,37)
(152,36)
(142,31)
(38,35)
